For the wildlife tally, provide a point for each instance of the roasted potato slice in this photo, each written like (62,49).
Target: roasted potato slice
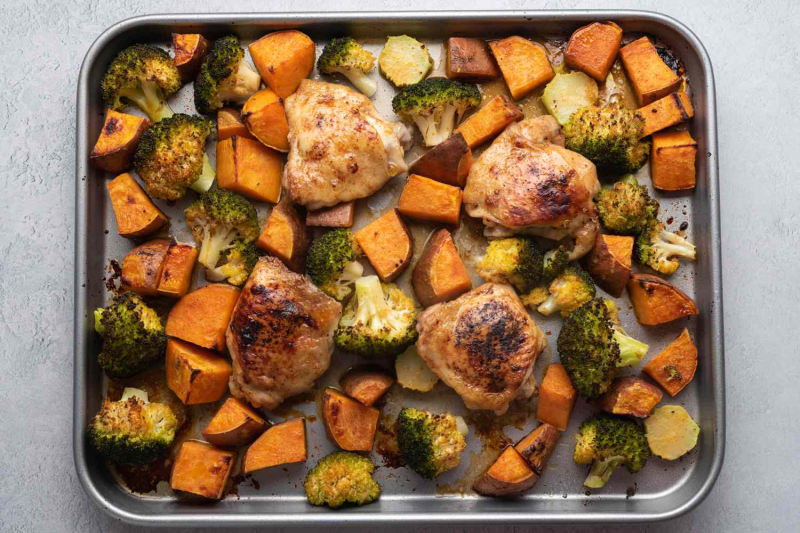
(366,384)
(114,149)
(279,445)
(349,424)
(656,301)
(609,263)
(671,432)
(235,424)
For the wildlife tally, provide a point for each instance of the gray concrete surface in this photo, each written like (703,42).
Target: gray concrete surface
(756,55)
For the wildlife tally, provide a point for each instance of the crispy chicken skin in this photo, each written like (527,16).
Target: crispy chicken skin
(483,345)
(527,182)
(280,336)
(340,148)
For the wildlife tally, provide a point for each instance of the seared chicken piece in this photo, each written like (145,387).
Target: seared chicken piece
(527,182)
(482,344)
(340,149)
(280,336)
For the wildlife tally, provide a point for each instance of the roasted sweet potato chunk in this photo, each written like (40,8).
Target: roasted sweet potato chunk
(538,446)
(114,149)
(135,213)
(427,199)
(142,266)
(235,424)
(387,244)
(510,475)
(630,396)
(470,58)
(490,120)
(229,123)
(201,317)
(439,275)
(176,276)
(190,49)
(556,397)
(337,216)
(194,374)
(650,76)
(249,168)
(675,366)
(265,117)
(366,384)
(672,160)
(349,424)
(668,111)
(609,263)
(284,59)
(656,301)
(285,236)
(448,162)
(523,63)
(279,445)
(202,469)
(593,49)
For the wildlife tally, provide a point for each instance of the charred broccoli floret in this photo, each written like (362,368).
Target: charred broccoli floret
(516,260)
(609,136)
(555,261)
(345,56)
(332,264)
(239,263)
(435,105)
(225,77)
(341,478)
(659,249)
(133,336)
(132,430)
(171,157)
(142,75)
(592,345)
(607,442)
(217,220)
(380,320)
(431,444)
(571,289)
(626,207)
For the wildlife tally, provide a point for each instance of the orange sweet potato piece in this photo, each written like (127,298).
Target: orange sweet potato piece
(349,424)
(114,149)
(279,445)
(337,216)
(284,59)
(490,120)
(656,301)
(135,213)
(556,397)
(176,276)
(448,162)
(142,266)
(229,123)
(285,236)
(194,374)
(249,168)
(265,117)
(427,199)
(235,424)
(668,111)
(439,275)
(650,76)
(538,446)
(609,263)
(523,63)
(593,49)
(630,396)
(202,469)
(387,244)
(672,159)
(190,49)
(201,317)
(366,384)
(510,475)
(675,366)
(470,58)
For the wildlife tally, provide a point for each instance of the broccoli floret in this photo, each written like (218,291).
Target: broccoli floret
(332,264)
(431,444)
(171,157)
(516,260)
(142,75)
(345,56)
(239,263)
(133,336)
(571,289)
(341,478)
(673,374)
(225,77)
(592,345)
(217,220)
(659,249)
(380,320)
(607,442)
(132,430)
(609,136)
(436,105)
(626,207)
(555,261)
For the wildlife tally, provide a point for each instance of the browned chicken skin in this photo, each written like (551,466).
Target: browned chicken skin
(280,336)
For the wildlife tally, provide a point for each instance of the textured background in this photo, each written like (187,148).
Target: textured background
(756,56)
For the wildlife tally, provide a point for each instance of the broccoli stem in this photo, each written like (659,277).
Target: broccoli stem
(549,306)
(373,310)
(675,245)
(349,275)
(213,246)
(149,99)
(206,179)
(601,472)
(361,81)
(631,351)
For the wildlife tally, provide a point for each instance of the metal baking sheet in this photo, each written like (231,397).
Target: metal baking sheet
(275,497)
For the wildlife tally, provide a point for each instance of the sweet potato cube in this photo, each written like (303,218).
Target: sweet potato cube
(366,384)
(675,366)
(279,445)
(387,244)
(630,396)
(135,213)
(190,49)
(556,397)
(593,49)
(265,117)
(142,267)
(490,120)
(202,469)
(235,424)
(337,216)
(427,199)
(538,446)
(510,475)
(668,111)
(285,236)
(672,160)
(656,301)
(523,63)
(650,76)
(284,59)
(201,317)
(439,275)
(114,149)
(470,58)
(448,162)
(229,123)
(176,276)
(609,263)
(349,424)
(249,168)
(194,374)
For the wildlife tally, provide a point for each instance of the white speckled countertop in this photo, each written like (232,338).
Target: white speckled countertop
(756,56)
